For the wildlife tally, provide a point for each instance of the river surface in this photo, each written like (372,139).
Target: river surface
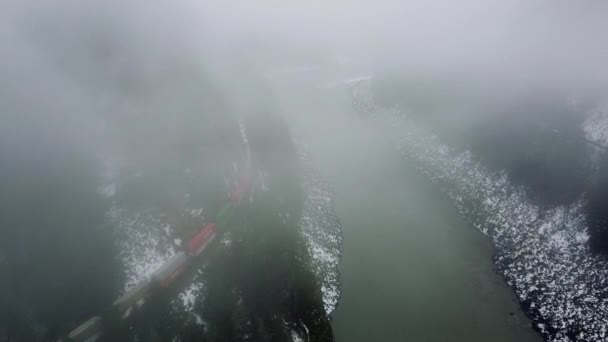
(412,269)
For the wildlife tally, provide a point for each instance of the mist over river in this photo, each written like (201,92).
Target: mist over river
(412,268)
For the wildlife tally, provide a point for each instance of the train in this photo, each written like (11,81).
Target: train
(161,277)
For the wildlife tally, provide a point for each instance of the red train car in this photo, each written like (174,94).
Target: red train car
(202,239)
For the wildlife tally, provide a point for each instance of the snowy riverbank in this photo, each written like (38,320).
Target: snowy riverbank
(542,254)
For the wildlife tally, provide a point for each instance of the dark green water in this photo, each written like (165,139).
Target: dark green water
(412,269)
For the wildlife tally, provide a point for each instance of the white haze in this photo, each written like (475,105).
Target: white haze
(66,64)
(550,41)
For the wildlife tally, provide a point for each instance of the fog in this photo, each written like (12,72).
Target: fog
(97,47)
(538,41)
(153,107)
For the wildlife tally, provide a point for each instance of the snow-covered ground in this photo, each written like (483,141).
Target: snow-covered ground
(146,240)
(542,254)
(596,125)
(323,232)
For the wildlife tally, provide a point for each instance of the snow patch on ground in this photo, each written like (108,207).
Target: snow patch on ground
(596,125)
(142,247)
(189,295)
(322,230)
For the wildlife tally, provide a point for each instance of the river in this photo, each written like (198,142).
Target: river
(412,269)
